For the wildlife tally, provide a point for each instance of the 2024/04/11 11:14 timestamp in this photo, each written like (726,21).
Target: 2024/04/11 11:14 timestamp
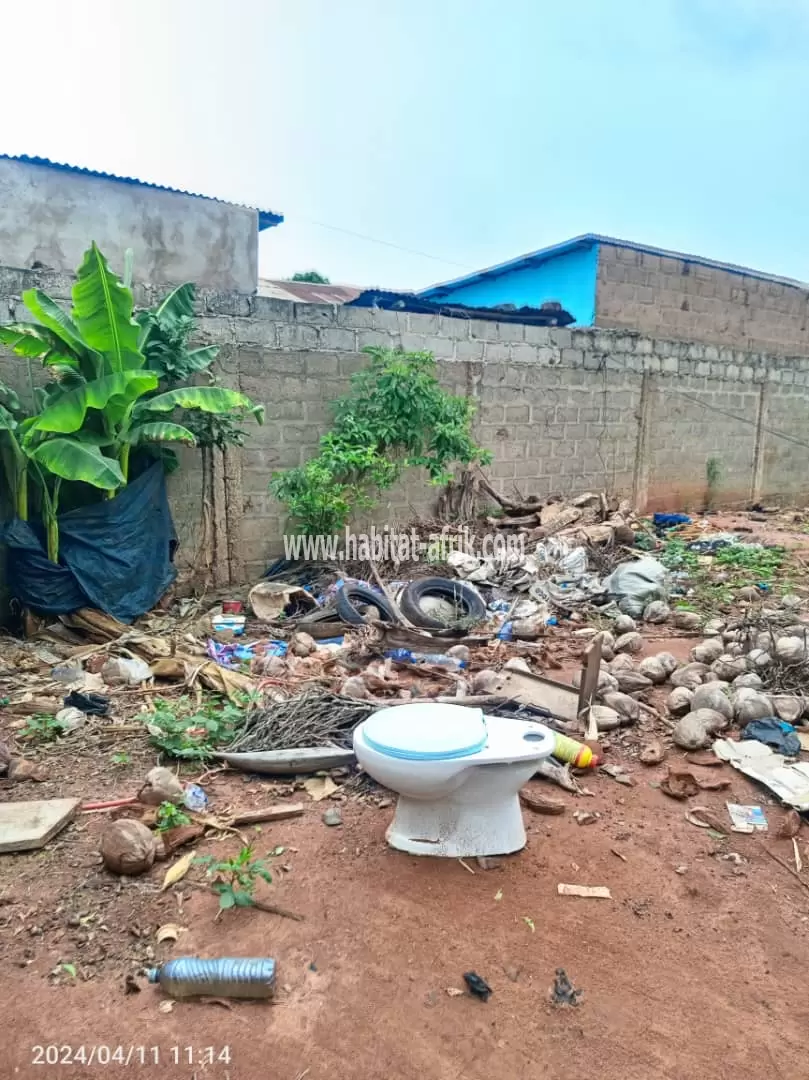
(56,1054)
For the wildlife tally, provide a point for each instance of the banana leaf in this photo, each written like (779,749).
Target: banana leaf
(75,460)
(50,315)
(160,431)
(102,309)
(212,399)
(67,412)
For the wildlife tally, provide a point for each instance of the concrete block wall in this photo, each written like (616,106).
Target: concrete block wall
(670,297)
(561,410)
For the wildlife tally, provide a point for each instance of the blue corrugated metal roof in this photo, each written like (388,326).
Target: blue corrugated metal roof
(522,262)
(266,218)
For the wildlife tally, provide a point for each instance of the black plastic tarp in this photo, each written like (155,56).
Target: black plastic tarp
(115,555)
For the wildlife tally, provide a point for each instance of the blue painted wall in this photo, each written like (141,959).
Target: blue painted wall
(569,278)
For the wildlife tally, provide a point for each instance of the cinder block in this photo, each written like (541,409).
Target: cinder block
(338,338)
(517,414)
(318,364)
(297,336)
(524,354)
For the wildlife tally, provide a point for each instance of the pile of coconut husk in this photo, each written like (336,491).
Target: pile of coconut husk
(740,671)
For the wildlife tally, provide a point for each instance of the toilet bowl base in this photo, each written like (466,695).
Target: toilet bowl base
(458,828)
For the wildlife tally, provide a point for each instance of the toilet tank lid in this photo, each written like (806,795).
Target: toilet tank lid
(426,731)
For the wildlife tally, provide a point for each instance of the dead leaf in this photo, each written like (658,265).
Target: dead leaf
(177,871)
(679,784)
(706,758)
(453,991)
(169,932)
(319,787)
(165,1006)
(539,803)
(704,818)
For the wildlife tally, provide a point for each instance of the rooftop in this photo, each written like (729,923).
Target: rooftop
(266,218)
(307,292)
(586,240)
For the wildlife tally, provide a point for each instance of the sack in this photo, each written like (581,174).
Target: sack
(635,584)
(115,555)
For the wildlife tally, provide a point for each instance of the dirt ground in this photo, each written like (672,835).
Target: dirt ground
(694,968)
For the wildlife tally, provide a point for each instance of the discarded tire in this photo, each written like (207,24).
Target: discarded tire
(351,596)
(463,598)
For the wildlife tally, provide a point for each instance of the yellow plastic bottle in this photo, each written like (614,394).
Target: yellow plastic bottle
(567,749)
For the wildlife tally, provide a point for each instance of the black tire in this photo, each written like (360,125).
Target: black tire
(460,594)
(351,595)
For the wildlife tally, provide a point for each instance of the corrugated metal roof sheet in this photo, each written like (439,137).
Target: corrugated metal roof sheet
(266,218)
(307,292)
(522,262)
(549,314)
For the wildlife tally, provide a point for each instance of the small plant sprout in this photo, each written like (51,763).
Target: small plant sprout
(170,816)
(234,880)
(121,758)
(42,729)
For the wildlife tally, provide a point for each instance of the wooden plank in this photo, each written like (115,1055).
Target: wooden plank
(269,813)
(26,826)
(556,697)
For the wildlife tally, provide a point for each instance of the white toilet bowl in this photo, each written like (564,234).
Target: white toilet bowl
(457,774)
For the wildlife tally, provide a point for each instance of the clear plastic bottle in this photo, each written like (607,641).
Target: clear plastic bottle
(228,976)
(408,656)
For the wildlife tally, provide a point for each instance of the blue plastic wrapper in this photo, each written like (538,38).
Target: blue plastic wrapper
(194,798)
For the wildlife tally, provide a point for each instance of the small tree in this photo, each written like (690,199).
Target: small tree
(395,416)
(311,276)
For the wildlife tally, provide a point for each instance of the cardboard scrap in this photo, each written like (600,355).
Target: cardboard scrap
(595,892)
(747,819)
(320,787)
(789,782)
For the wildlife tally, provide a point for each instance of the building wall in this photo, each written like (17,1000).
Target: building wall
(50,216)
(569,278)
(562,410)
(671,297)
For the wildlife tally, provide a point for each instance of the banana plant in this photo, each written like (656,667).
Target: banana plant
(102,400)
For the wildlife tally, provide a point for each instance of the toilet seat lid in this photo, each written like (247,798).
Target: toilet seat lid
(426,731)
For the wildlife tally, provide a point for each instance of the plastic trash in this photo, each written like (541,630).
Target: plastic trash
(668,521)
(228,976)
(67,673)
(408,656)
(635,584)
(70,719)
(773,732)
(194,798)
(233,624)
(567,749)
(91,704)
(125,669)
(506,632)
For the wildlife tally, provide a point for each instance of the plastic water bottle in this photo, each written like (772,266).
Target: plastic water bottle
(407,656)
(234,977)
(567,749)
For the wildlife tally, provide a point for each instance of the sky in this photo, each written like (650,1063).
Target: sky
(410,141)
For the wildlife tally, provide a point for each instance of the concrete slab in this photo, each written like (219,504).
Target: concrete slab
(26,826)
